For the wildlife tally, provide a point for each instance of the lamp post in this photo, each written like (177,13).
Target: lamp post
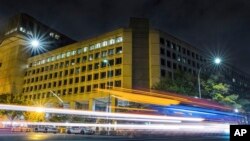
(109,86)
(217,61)
(57,97)
(237,111)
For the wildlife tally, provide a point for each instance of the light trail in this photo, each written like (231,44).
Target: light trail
(93,113)
(190,127)
(147,120)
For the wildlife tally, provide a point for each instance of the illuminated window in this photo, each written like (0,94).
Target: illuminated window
(119,39)
(110,51)
(73,52)
(51,34)
(57,36)
(233,80)
(43,61)
(58,57)
(91,47)
(49,59)
(63,55)
(90,57)
(104,53)
(98,45)
(53,58)
(118,50)
(179,58)
(79,51)
(22,29)
(85,49)
(104,43)
(68,54)
(111,41)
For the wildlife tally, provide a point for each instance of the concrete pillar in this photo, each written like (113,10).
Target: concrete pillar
(92,105)
(113,104)
(72,105)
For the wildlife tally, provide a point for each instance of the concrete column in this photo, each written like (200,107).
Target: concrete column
(92,105)
(72,105)
(113,104)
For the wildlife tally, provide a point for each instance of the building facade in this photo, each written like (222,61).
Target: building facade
(133,57)
(15,49)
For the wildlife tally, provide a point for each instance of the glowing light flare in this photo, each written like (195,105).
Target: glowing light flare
(93,113)
(35,43)
(40,110)
(217,60)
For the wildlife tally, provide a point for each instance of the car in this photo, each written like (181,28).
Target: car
(80,130)
(21,129)
(46,129)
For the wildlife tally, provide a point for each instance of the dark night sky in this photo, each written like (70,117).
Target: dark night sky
(216,25)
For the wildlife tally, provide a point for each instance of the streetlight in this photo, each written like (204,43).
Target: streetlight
(58,98)
(236,111)
(109,86)
(217,61)
(34,43)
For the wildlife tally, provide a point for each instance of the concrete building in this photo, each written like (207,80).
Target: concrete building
(15,49)
(132,57)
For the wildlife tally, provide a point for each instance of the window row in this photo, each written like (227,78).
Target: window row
(182,68)
(76,90)
(171,64)
(77,70)
(95,76)
(81,50)
(178,48)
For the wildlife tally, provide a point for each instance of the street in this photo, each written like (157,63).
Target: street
(66,137)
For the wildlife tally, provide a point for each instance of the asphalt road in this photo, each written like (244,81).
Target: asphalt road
(65,137)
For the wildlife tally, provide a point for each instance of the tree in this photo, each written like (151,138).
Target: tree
(14,100)
(183,83)
(213,89)
(36,116)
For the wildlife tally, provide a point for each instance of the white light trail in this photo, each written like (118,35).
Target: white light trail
(93,113)
(146,120)
(190,127)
